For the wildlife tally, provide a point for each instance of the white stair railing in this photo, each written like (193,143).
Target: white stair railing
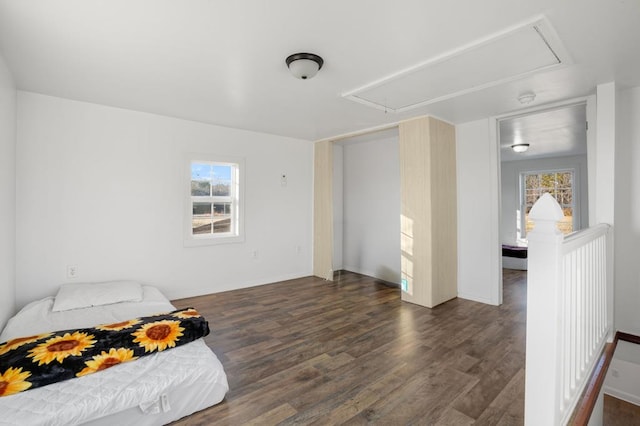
(569,312)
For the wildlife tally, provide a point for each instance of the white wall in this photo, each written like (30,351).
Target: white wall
(7,193)
(605,153)
(102,188)
(623,377)
(479,273)
(627,212)
(510,172)
(371,208)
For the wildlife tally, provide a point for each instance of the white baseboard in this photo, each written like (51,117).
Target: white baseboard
(186,292)
(369,274)
(616,393)
(623,377)
(475,298)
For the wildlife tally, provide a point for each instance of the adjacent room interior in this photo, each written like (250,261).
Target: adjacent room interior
(553,159)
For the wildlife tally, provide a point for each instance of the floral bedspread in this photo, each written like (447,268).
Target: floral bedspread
(34,361)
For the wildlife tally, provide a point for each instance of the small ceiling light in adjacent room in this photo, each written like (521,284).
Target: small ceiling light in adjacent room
(304,65)
(520,147)
(527,98)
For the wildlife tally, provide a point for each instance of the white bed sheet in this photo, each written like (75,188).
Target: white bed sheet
(153,390)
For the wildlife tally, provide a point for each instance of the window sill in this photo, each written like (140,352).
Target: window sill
(212,241)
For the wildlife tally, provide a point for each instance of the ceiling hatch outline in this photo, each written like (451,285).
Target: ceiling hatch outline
(502,57)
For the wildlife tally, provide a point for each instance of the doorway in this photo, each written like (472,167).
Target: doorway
(555,161)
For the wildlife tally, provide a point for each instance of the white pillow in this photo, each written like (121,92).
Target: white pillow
(84,295)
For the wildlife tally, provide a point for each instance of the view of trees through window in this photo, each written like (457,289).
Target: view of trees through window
(212,198)
(560,185)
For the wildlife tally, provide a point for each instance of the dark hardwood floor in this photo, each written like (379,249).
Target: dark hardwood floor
(620,413)
(308,351)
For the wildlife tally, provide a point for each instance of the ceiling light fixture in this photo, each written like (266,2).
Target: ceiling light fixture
(520,147)
(304,65)
(527,98)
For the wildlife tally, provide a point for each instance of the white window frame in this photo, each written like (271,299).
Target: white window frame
(575,198)
(236,198)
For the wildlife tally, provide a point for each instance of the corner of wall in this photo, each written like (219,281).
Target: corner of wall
(627,209)
(7,193)
(479,273)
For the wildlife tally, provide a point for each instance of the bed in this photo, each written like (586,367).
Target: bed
(514,257)
(152,390)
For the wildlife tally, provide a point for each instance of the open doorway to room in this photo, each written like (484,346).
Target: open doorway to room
(541,151)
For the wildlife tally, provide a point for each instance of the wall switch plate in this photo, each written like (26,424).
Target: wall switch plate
(72,271)
(283,179)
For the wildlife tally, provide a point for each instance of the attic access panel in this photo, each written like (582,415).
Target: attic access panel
(499,58)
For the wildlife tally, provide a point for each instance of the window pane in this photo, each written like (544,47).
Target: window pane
(222,181)
(564,197)
(532,196)
(221,217)
(201,219)
(560,186)
(200,188)
(201,175)
(216,186)
(532,181)
(564,180)
(548,181)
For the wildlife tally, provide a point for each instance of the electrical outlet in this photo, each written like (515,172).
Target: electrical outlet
(72,271)
(254,254)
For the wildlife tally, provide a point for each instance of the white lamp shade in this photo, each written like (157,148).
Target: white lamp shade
(304,68)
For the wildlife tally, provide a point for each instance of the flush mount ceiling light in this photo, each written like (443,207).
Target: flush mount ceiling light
(304,65)
(520,147)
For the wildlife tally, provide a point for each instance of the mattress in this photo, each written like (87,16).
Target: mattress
(514,251)
(152,390)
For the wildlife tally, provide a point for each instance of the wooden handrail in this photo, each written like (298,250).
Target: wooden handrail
(584,409)
(631,338)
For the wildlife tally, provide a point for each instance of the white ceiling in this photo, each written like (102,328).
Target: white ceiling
(551,133)
(222,62)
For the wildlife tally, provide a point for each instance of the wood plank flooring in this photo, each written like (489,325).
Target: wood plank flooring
(620,413)
(308,351)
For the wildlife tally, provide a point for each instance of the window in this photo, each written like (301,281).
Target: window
(214,206)
(560,184)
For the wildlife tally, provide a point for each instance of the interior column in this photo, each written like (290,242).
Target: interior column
(323,210)
(428,222)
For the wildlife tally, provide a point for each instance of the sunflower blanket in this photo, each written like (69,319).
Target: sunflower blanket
(34,361)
